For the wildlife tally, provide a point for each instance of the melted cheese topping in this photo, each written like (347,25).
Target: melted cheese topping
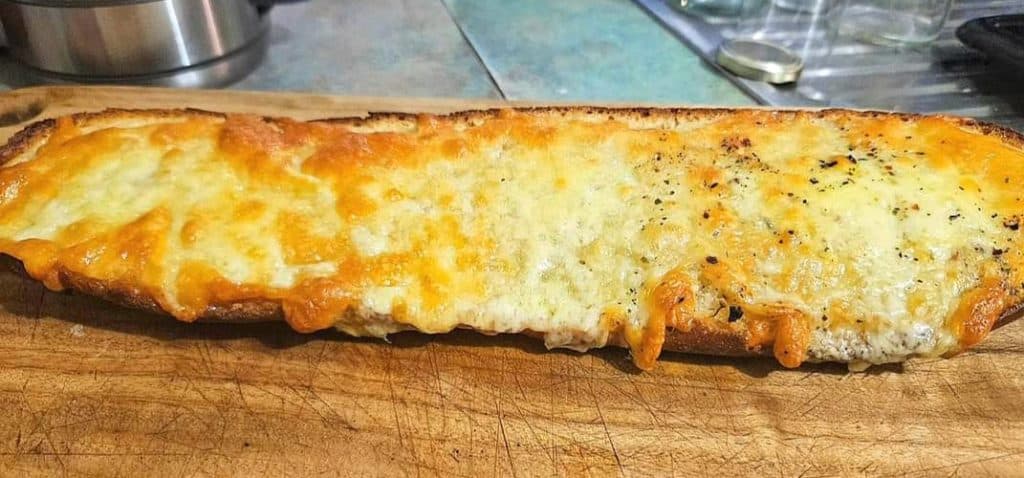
(825,237)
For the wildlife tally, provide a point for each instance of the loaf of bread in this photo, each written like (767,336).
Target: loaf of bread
(833,235)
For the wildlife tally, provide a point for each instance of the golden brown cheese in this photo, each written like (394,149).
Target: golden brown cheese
(819,236)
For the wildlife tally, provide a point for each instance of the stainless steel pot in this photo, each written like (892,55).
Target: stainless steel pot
(166,42)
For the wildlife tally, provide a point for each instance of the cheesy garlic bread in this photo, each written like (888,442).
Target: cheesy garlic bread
(834,235)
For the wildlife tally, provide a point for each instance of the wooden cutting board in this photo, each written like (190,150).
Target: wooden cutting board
(87,388)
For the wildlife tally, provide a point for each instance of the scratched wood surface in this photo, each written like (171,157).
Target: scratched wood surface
(87,388)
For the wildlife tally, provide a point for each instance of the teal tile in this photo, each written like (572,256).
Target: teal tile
(370,47)
(597,50)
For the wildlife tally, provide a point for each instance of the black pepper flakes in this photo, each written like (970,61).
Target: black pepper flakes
(954,216)
(827,164)
(713,185)
(1012,224)
(735,313)
(814,180)
(706,215)
(657,201)
(711,259)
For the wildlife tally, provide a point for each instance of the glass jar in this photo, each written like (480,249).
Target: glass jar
(891,22)
(717,10)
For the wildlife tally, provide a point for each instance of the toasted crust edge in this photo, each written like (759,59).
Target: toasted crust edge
(699,339)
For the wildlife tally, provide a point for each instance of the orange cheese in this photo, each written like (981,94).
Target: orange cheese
(833,236)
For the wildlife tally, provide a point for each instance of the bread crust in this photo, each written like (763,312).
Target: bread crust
(698,339)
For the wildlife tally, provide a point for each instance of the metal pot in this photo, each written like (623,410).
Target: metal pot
(164,42)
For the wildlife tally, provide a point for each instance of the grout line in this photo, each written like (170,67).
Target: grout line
(476,53)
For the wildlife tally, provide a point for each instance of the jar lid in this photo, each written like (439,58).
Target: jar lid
(760,61)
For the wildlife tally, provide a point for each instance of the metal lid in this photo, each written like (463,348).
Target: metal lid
(761,61)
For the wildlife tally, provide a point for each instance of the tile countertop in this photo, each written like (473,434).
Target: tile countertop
(586,50)
(608,50)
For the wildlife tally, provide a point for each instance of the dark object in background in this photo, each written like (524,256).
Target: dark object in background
(184,43)
(1000,38)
